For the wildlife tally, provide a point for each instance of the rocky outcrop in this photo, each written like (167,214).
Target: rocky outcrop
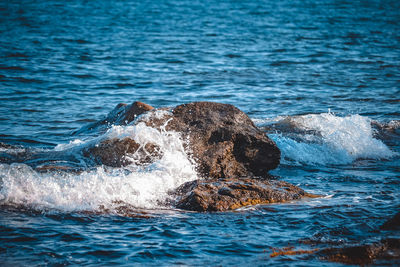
(222,140)
(230,194)
(228,149)
(232,156)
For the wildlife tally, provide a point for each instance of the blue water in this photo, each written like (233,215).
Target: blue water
(322,78)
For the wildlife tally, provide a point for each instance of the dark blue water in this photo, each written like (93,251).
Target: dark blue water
(322,78)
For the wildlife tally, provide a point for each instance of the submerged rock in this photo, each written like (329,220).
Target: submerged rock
(386,249)
(393,223)
(230,194)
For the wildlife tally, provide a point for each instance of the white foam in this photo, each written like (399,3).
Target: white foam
(142,187)
(309,153)
(336,140)
(71,144)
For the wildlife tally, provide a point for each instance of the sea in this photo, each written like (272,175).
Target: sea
(320,77)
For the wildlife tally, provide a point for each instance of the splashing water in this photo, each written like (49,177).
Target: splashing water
(329,139)
(142,187)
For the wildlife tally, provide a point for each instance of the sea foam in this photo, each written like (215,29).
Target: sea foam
(140,187)
(328,139)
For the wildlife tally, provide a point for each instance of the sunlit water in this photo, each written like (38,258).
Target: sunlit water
(321,78)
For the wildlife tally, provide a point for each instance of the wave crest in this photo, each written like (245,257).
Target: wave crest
(326,139)
(140,187)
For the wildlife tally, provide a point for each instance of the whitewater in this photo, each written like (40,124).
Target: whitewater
(313,139)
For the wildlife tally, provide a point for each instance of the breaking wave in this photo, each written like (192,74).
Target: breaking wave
(103,187)
(325,139)
(314,139)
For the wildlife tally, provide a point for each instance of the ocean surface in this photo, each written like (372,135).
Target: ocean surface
(321,78)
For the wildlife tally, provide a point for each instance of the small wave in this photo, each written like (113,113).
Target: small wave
(325,139)
(102,188)
(309,153)
(89,191)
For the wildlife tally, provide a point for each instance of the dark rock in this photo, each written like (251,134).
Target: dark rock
(225,145)
(52,168)
(132,111)
(121,152)
(386,249)
(223,140)
(230,194)
(393,223)
(122,114)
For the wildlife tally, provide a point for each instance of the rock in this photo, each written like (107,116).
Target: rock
(290,251)
(389,132)
(233,193)
(223,140)
(224,143)
(121,152)
(393,223)
(59,168)
(132,111)
(386,249)
(122,114)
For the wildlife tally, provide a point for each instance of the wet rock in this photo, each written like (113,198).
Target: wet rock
(393,223)
(121,152)
(226,147)
(59,168)
(233,193)
(122,209)
(386,249)
(223,140)
(132,111)
(122,114)
(290,251)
